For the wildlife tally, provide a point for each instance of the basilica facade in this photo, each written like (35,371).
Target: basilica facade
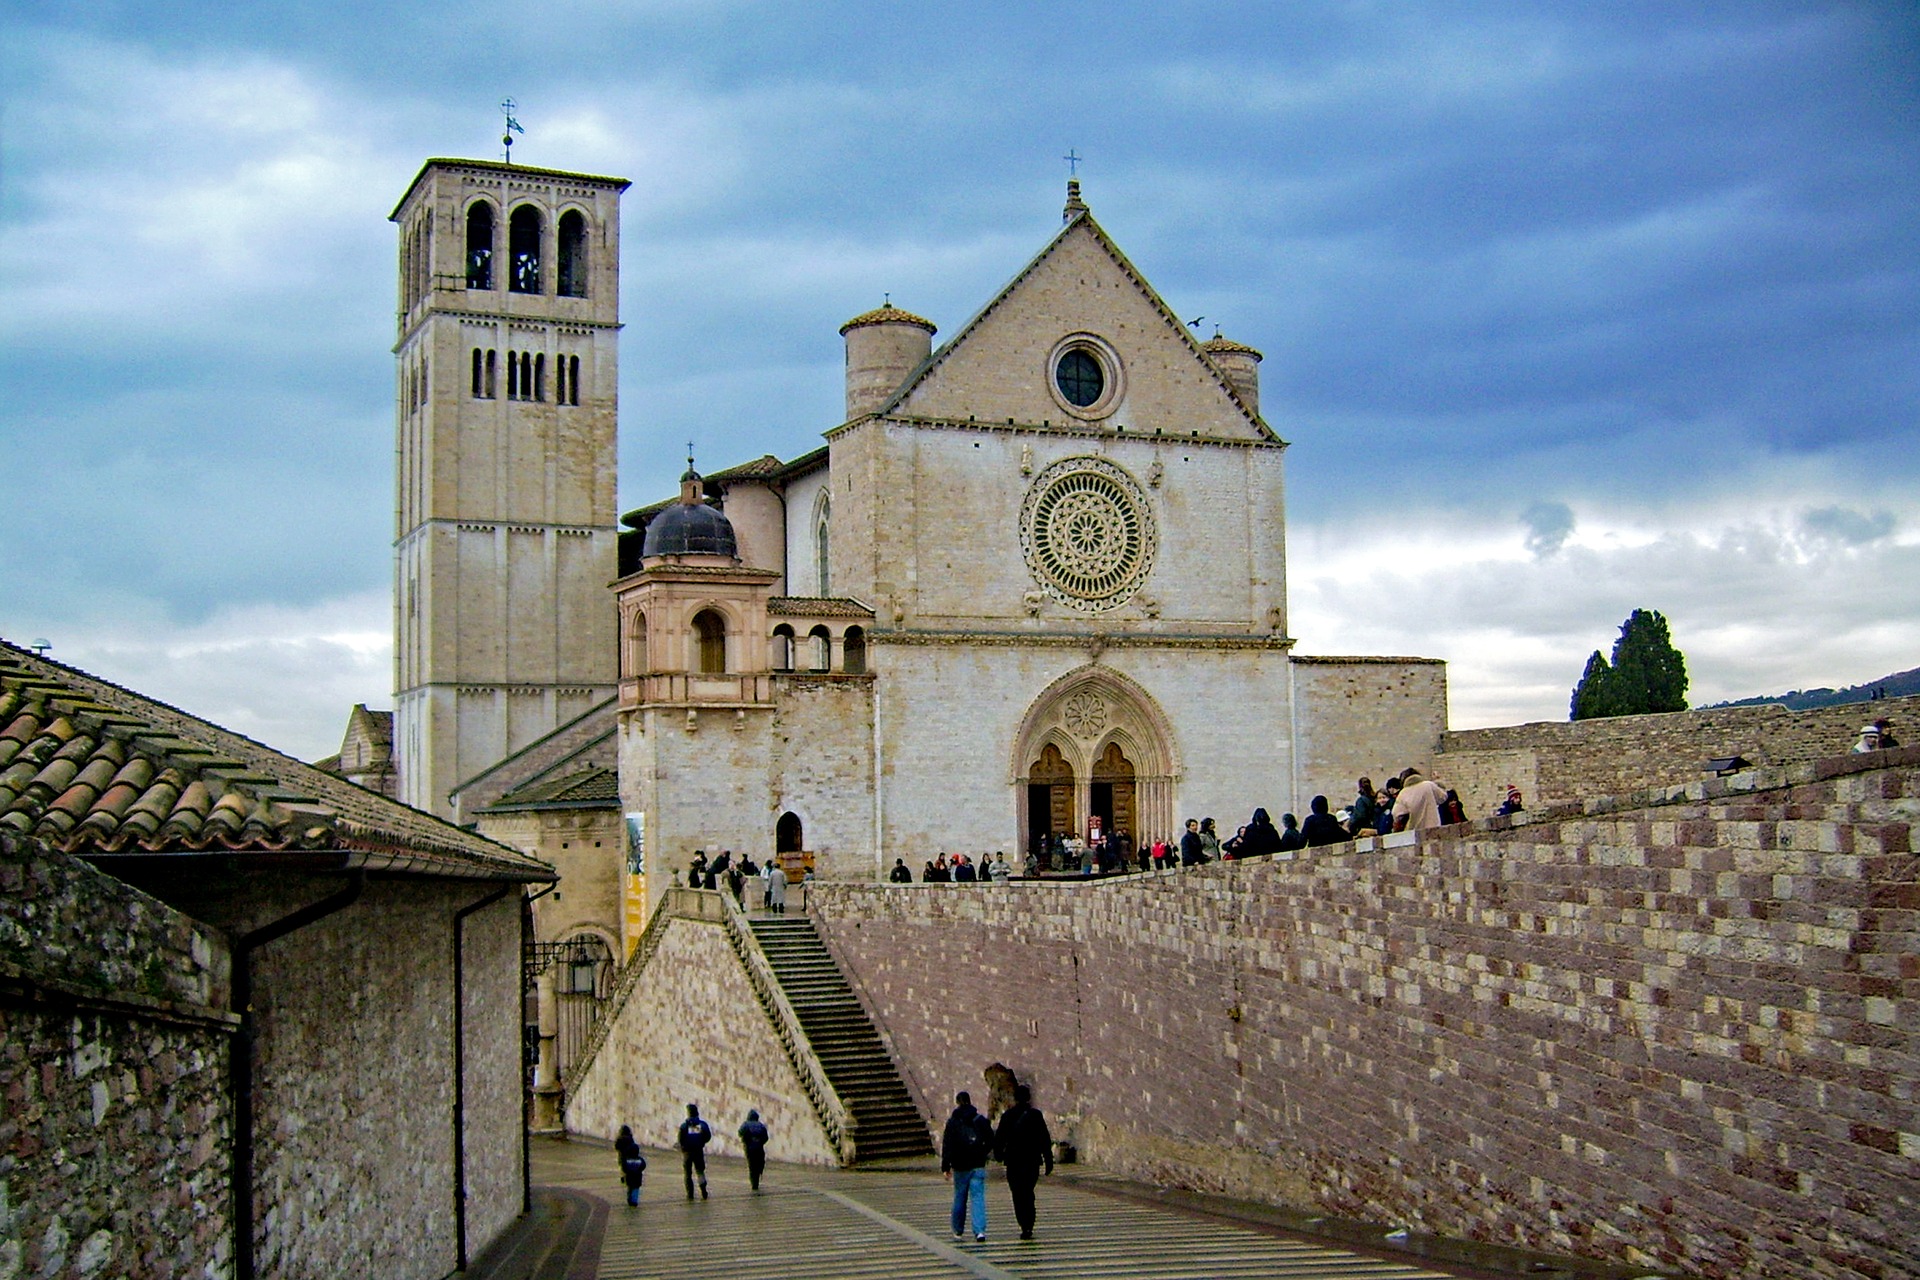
(1034,583)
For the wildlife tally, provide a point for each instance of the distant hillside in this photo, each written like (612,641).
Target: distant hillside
(1900,684)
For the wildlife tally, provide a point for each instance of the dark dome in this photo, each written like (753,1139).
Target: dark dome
(690,529)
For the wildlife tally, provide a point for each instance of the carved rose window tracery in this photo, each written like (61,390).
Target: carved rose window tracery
(1085,714)
(1087,533)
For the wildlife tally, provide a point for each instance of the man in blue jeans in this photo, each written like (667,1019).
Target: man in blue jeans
(964,1149)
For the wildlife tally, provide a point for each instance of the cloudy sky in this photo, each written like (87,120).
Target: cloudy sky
(1567,309)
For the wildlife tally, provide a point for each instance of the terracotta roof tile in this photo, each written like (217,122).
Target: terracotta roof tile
(818,607)
(98,770)
(596,786)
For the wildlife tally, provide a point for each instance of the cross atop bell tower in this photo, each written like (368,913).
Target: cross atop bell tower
(506,374)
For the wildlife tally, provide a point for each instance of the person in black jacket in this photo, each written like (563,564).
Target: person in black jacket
(633,1165)
(964,1150)
(694,1136)
(1260,837)
(1191,854)
(1024,1146)
(753,1140)
(900,874)
(1322,827)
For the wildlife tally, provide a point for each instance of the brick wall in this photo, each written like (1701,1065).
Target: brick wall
(1554,762)
(1684,1037)
(115,1143)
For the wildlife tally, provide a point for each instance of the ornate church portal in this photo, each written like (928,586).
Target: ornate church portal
(1094,745)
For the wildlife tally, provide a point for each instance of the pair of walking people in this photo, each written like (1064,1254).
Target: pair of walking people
(1023,1144)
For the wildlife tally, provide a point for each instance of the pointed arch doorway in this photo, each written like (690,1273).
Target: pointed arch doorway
(1094,742)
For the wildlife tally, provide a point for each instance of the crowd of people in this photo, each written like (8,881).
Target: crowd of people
(1408,802)
(772,879)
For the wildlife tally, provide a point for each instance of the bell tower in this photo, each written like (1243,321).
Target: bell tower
(505,529)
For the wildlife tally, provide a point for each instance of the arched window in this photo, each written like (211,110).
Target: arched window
(513,375)
(638,663)
(573,380)
(783,648)
(573,255)
(822,645)
(853,652)
(710,635)
(523,250)
(493,366)
(787,837)
(559,379)
(479,378)
(540,376)
(480,246)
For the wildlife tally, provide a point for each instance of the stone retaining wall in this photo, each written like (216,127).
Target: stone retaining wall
(1554,762)
(1686,1037)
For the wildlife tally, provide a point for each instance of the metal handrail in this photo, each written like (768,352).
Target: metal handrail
(833,1114)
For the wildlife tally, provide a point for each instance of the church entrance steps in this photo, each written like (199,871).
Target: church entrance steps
(887,1124)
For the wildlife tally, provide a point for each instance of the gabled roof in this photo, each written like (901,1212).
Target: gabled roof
(97,770)
(1079,221)
(817,607)
(594,788)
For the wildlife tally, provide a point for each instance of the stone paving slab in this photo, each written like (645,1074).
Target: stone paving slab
(822,1224)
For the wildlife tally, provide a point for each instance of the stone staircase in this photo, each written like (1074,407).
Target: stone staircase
(887,1125)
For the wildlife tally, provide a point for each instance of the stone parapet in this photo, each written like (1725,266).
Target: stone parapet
(1681,1037)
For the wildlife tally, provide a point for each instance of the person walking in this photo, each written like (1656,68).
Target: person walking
(777,889)
(1024,1146)
(753,1140)
(964,1149)
(694,1136)
(633,1165)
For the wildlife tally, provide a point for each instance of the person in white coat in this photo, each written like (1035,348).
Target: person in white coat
(777,889)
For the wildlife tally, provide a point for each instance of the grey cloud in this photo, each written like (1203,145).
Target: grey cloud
(1548,525)
(1844,524)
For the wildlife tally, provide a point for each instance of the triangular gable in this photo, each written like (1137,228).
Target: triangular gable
(995,367)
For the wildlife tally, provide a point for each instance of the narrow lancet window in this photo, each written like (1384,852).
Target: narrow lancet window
(540,376)
(573,380)
(493,364)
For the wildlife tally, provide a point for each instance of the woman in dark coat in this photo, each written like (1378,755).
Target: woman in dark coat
(1261,838)
(633,1165)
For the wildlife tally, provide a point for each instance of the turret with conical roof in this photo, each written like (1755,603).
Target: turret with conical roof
(1239,364)
(884,345)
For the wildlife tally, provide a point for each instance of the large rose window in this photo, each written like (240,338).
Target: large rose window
(1087,533)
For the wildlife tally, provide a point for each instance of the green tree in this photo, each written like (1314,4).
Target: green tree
(1647,673)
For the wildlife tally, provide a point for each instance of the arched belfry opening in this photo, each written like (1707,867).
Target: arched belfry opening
(572,247)
(480,246)
(523,250)
(1095,743)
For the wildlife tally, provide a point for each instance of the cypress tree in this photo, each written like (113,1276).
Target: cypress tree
(1647,673)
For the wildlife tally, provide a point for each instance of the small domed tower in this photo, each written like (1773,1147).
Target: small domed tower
(883,346)
(690,527)
(1240,365)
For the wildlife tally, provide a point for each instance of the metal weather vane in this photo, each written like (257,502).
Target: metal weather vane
(507,107)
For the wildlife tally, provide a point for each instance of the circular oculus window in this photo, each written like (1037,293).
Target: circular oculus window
(1085,376)
(1087,533)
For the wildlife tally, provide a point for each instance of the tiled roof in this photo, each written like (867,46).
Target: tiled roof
(1218,343)
(818,607)
(889,314)
(94,769)
(597,786)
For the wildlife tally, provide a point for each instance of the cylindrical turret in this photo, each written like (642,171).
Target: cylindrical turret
(883,346)
(1240,365)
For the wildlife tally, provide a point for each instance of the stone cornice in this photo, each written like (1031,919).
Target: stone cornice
(1057,639)
(1048,427)
(499,317)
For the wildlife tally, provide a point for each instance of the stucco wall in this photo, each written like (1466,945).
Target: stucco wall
(690,1030)
(1683,1037)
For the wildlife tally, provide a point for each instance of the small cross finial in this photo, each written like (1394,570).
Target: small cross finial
(507,107)
(689,455)
(1073,163)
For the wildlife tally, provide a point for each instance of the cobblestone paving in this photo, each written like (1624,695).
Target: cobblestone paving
(817,1224)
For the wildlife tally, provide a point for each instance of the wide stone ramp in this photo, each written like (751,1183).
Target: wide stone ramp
(887,1124)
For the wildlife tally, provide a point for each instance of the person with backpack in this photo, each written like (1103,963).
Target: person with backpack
(694,1136)
(753,1140)
(1024,1145)
(964,1150)
(633,1165)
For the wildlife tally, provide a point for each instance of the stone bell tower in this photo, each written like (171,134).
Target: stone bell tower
(505,537)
